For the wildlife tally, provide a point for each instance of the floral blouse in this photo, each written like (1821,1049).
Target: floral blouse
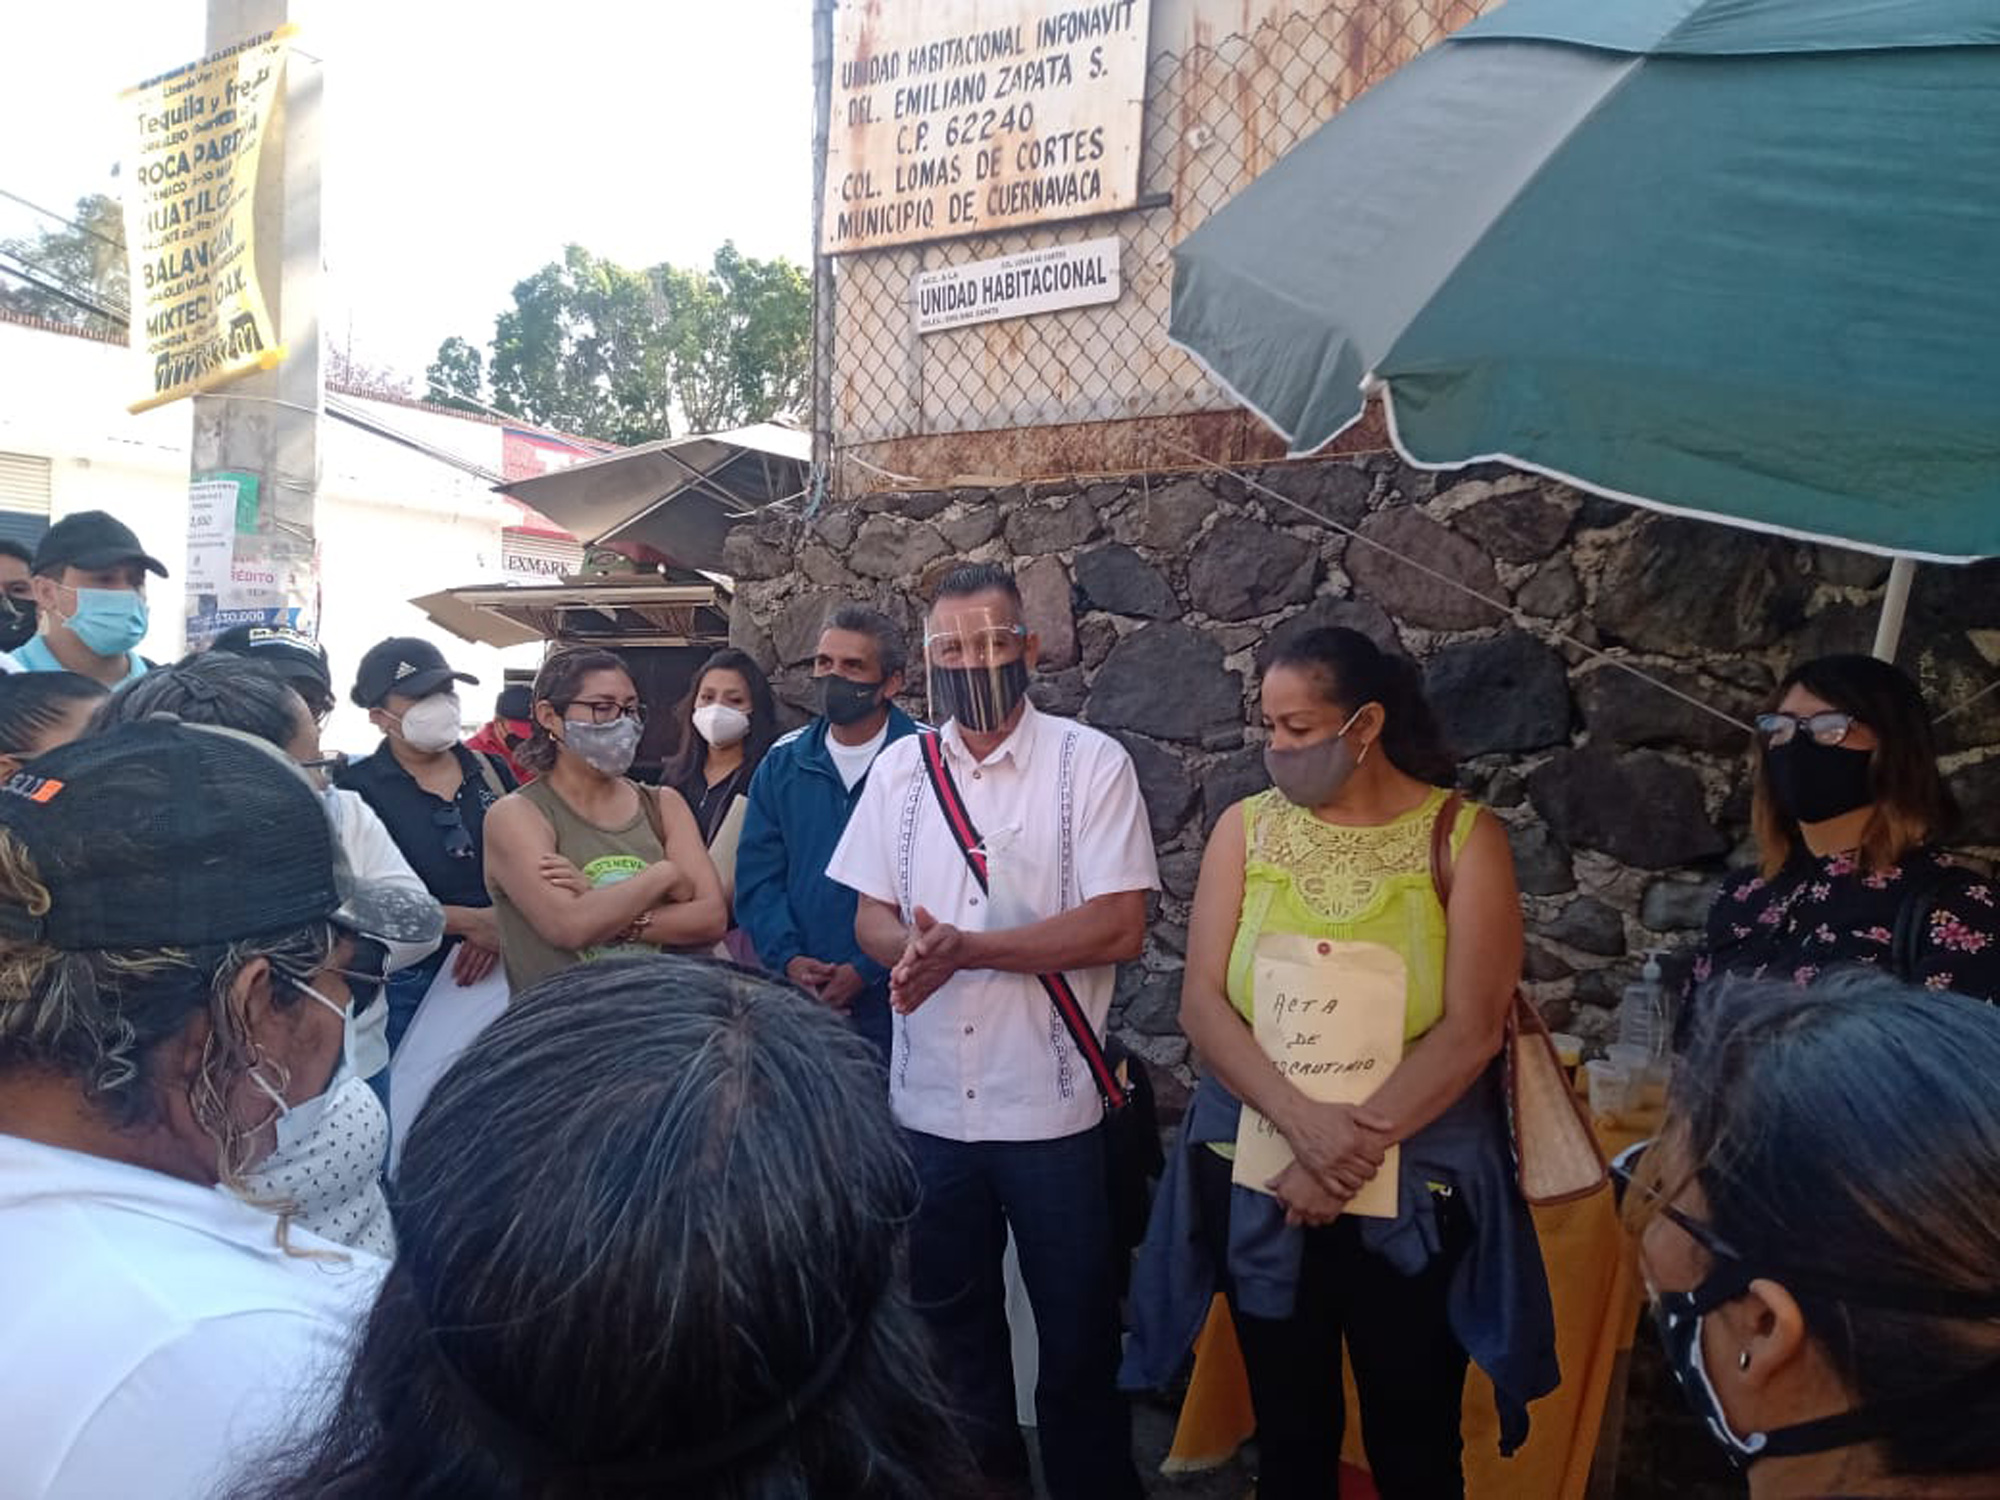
(1823,911)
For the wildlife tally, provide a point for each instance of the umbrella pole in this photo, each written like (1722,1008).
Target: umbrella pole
(1895,601)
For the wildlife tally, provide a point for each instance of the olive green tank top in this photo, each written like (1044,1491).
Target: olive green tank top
(604,855)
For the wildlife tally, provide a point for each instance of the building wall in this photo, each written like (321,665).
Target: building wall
(1231,85)
(1157,601)
(392,524)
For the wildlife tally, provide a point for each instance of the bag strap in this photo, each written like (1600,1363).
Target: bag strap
(487,774)
(1056,985)
(649,803)
(1441,861)
(1913,916)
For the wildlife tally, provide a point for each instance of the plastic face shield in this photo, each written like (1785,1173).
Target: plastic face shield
(975,662)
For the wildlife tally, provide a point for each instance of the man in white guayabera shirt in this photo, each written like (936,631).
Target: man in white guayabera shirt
(1003,865)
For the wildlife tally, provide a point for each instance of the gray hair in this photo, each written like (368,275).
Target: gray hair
(99,1017)
(892,652)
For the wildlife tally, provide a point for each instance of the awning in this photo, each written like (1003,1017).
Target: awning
(680,496)
(615,612)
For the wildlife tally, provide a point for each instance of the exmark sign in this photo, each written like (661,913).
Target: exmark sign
(1016,286)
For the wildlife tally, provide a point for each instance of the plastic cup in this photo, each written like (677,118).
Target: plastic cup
(1630,1056)
(1611,1088)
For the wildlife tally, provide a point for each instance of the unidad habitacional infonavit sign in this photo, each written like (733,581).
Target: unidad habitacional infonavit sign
(1014,286)
(955,117)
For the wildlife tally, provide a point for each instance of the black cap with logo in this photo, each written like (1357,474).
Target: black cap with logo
(403,664)
(294,656)
(91,539)
(169,835)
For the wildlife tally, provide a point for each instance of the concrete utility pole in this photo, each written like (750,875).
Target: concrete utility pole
(266,424)
(822,281)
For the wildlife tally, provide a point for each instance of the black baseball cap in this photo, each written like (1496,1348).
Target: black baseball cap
(92,539)
(162,834)
(403,664)
(293,655)
(516,701)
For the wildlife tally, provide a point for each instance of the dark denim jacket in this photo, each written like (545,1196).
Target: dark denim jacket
(1498,1297)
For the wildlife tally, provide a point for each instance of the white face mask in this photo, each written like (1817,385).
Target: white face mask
(297,1122)
(720,724)
(432,725)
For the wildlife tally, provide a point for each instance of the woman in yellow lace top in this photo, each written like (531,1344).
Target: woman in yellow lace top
(1340,850)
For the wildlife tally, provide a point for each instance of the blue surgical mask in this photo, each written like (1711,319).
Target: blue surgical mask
(109,622)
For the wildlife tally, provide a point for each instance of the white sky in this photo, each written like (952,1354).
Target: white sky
(466,143)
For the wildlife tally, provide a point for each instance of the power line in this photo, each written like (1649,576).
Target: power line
(96,234)
(122,320)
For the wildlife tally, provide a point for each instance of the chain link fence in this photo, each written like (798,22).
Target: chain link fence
(1217,115)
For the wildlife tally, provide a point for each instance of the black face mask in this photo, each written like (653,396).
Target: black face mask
(847,702)
(1812,783)
(1678,1316)
(980,698)
(17,622)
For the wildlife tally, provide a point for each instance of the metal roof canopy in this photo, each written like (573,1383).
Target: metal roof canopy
(613,612)
(680,496)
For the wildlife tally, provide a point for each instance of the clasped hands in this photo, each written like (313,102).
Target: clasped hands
(1337,1149)
(935,951)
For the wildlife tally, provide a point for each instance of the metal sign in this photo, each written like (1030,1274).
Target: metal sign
(1015,286)
(959,117)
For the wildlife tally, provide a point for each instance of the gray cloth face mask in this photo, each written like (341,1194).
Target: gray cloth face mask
(606,748)
(1312,775)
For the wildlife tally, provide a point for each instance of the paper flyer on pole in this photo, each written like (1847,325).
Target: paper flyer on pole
(1330,1015)
(199,314)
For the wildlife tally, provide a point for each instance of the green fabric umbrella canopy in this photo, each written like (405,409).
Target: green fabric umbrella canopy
(1734,258)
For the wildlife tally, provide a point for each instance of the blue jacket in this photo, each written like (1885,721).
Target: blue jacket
(798,811)
(1497,1300)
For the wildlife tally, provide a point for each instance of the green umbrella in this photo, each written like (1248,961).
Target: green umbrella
(1733,258)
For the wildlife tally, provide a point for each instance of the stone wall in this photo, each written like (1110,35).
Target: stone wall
(1157,600)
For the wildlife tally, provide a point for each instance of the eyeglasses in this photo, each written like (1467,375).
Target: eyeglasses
(364,986)
(607,710)
(331,764)
(457,842)
(1829,728)
(995,643)
(1623,1179)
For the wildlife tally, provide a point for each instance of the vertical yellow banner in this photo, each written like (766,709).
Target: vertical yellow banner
(199,317)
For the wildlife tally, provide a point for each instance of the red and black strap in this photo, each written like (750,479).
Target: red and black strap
(1056,985)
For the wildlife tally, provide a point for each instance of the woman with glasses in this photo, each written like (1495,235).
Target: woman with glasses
(1819,1232)
(584,863)
(1849,811)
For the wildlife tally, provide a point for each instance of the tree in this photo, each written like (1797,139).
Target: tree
(85,259)
(457,377)
(595,348)
(357,377)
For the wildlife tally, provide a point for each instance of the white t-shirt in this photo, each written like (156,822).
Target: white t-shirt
(155,1336)
(853,761)
(1058,807)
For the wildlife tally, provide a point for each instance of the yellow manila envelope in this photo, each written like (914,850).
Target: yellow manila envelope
(1330,1015)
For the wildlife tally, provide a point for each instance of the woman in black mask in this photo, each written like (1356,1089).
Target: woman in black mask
(1849,810)
(1819,1231)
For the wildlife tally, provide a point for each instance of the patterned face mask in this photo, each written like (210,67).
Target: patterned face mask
(606,748)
